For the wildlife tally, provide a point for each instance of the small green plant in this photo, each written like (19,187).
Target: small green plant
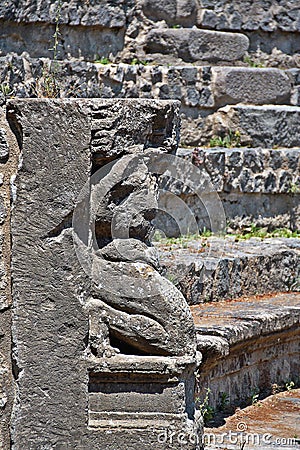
(205,233)
(262,233)
(230,140)
(136,61)
(289,385)
(294,188)
(207,411)
(253,62)
(56,34)
(224,401)
(104,60)
(254,397)
(172,278)
(48,85)
(6,90)
(246,233)
(175,27)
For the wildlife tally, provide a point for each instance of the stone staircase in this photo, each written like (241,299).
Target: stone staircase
(246,316)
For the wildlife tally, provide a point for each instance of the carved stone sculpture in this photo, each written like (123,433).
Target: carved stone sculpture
(104,345)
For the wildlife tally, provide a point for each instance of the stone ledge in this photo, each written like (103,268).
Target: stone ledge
(107,14)
(196,87)
(247,170)
(248,345)
(159,365)
(224,269)
(236,15)
(238,320)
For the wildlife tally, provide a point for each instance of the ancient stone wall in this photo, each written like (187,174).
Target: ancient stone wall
(92,30)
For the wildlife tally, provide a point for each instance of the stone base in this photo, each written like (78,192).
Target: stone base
(150,399)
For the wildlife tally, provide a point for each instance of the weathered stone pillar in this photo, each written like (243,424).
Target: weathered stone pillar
(103,345)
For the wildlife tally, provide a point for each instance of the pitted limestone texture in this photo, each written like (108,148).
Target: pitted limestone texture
(256,186)
(4,151)
(267,125)
(247,170)
(227,15)
(88,30)
(251,85)
(201,90)
(196,87)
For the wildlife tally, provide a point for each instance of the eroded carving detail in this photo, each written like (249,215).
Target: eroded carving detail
(133,308)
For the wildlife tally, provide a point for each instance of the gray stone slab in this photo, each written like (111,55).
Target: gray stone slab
(259,126)
(250,346)
(197,45)
(250,85)
(247,318)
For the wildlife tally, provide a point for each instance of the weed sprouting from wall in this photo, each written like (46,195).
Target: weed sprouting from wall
(48,84)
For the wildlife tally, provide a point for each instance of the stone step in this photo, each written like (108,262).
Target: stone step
(268,126)
(206,87)
(224,15)
(274,26)
(256,186)
(201,90)
(215,269)
(248,345)
(202,87)
(271,423)
(193,44)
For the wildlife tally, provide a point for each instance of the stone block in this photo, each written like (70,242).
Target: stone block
(139,124)
(259,126)
(250,85)
(174,12)
(225,269)
(249,15)
(197,45)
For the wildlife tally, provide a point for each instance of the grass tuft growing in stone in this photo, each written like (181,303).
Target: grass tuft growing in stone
(230,140)
(243,234)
